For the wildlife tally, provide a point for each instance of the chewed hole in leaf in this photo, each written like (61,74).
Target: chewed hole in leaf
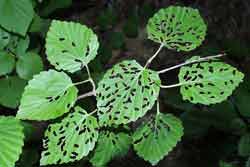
(71,139)
(178,28)
(212,82)
(110,145)
(120,101)
(80,42)
(38,102)
(155,138)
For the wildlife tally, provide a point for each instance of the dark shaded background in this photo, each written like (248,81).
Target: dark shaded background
(228,31)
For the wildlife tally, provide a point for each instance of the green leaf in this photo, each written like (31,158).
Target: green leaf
(110,145)
(18,45)
(157,137)
(29,65)
(70,46)
(11,141)
(178,28)
(16,16)
(71,139)
(4,38)
(7,63)
(126,93)
(208,82)
(11,89)
(13,43)
(244,145)
(48,95)
(22,46)
(40,25)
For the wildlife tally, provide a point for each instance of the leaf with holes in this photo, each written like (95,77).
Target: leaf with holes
(71,139)
(11,141)
(157,137)
(48,95)
(178,28)
(208,82)
(11,89)
(7,63)
(70,46)
(110,145)
(126,93)
(4,38)
(16,16)
(29,65)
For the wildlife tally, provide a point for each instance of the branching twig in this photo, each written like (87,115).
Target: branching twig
(91,80)
(191,62)
(81,82)
(93,112)
(92,93)
(179,84)
(152,58)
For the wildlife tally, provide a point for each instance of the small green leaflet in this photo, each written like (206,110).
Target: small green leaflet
(70,46)
(39,25)
(110,145)
(22,46)
(12,45)
(4,38)
(29,65)
(11,89)
(17,45)
(11,141)
(244,145)
(16,15)
(157,137)
(71,139)
(178,28)
(7,63)
(126,93)
(48,95)
(208,82)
